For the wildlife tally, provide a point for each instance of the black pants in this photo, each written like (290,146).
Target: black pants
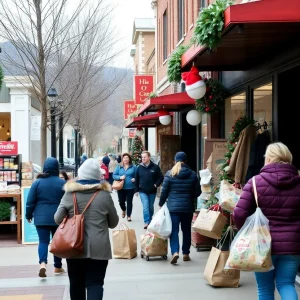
(126,196)
(87,274)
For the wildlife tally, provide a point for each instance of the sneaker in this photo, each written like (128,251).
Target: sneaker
(174,258)
(145,226)
(59,271)
(186,257)
(42,272)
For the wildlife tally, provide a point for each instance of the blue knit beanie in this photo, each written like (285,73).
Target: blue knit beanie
(180,156)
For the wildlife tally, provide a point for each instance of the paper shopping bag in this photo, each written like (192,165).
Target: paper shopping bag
(152,245)
(214,271)
(124,243)
(210,223)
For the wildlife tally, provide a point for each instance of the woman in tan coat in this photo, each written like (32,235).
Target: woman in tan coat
(87,271)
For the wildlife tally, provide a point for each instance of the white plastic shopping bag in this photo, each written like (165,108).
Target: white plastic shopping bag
(251,248)
(161,223)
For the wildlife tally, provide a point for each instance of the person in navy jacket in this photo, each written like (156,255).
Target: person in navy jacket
(42,202)
(180,187)
(126,171)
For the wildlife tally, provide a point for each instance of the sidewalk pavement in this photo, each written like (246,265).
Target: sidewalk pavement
(135,279)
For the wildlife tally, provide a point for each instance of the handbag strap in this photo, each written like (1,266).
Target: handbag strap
(86,207)
(255,191)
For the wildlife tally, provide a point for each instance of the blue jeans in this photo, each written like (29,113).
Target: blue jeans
(44,240)
(284,274)
(148,206)
(186,226)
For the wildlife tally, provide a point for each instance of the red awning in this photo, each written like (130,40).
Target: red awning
(253,32)
(144,121)
(172,102)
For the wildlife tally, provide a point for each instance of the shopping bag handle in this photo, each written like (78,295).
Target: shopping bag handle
(215,207)
(123,226)
(223,238)
(255,190)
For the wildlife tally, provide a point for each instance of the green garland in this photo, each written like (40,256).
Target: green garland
(174,64)
(1,77)
(213,100)
(152,95)
(210,23)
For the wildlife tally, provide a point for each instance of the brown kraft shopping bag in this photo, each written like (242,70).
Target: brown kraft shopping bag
(210,223)
(124,242)
(214,271)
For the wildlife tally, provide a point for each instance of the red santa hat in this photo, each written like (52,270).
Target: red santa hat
(192,79)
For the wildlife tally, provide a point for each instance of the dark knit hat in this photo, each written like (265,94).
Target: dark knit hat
(180,156)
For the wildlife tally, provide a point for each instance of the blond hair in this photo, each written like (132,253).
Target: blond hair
(279,153)
(176,169)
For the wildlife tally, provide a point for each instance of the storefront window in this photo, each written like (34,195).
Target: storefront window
(262,106)
(235,107)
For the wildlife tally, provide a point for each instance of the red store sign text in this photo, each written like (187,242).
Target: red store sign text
(8,148)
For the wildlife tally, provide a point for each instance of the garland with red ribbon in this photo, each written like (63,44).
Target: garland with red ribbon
(213,100)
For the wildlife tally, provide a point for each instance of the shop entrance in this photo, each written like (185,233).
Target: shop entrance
(288,111)
(189,142)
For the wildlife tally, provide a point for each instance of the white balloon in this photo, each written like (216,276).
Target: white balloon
(139,132)
(193,117)
(165,120)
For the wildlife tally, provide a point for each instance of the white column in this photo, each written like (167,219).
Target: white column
(20,120)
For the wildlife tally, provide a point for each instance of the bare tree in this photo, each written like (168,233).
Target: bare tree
(43,31)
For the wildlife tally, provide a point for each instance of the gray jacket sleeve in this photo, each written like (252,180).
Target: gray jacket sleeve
(63,208)
(112,216)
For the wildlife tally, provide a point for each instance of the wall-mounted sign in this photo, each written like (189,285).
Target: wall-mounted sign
(143,87)
(129,108)
(131,133)
(8,148)
(35,134)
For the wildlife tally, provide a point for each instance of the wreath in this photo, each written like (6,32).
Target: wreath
(213,100)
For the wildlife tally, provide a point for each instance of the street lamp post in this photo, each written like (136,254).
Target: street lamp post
(61,141)
(76,127)
(52,94)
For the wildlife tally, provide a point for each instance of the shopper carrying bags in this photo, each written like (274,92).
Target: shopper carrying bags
(126,171)
(87,271)
(278,191)
(180,187)
(42,202)
(148,178)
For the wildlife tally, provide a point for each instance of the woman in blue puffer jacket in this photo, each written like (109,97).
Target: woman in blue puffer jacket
(126,171)
(42,202)
(181,186)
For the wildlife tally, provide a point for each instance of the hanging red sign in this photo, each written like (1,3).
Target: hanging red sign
(8,148)
(129,108)
(131,133)
(143,87)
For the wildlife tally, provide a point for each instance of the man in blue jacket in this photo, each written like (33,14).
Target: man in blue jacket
(147,179)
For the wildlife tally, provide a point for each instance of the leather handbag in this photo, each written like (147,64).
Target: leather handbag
(68,240)
(117,185)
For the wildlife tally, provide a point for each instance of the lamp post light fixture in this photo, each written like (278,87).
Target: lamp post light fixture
(76,128)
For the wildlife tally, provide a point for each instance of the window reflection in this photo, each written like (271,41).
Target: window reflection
(235,107)
(262,106)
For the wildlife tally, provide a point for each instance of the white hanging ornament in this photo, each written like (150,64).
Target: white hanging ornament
(195,86)
(164,117)
(193,117)
(139,131)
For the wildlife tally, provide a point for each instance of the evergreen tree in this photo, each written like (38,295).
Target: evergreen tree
(136,150)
